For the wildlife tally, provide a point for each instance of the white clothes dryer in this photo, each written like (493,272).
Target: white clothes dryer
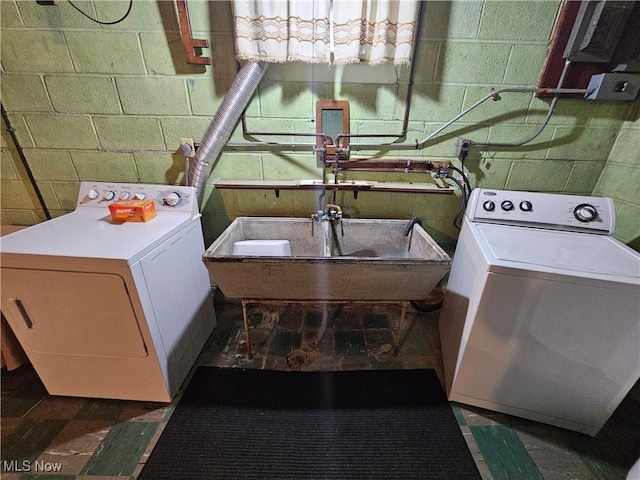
(111,310)
(541,317)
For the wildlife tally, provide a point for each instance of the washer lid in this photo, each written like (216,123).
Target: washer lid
(578,252)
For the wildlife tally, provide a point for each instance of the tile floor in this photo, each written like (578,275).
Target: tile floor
(47,437)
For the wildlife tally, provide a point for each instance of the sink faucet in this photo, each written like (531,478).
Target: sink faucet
(331,213)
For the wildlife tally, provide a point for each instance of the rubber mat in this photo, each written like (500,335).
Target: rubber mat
(258,424)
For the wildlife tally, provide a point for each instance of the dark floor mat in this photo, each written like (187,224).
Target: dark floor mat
(258,424)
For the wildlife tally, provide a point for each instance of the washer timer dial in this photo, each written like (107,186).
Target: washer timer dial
(526,206)
(585,212)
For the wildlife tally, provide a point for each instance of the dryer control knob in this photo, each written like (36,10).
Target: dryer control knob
(585,212)
(507,205)
(526,206)
(139,196)
(93,194)
(124,196)
(172,199)
(489,206)
(109,195)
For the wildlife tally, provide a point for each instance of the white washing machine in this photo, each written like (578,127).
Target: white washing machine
(542,313)
(111,310)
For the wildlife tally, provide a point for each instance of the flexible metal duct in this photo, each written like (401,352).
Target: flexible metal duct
(227,116)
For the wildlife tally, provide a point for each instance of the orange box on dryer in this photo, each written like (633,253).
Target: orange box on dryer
(132,210)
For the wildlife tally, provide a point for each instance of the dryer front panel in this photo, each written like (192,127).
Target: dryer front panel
(71,313)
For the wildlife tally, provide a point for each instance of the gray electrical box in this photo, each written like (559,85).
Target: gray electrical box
(597,30)
(614,86)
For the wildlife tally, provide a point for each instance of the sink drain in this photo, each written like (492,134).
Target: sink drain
(296,359)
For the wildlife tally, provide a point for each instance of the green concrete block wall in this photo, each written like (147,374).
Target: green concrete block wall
(620,180)
(100,102)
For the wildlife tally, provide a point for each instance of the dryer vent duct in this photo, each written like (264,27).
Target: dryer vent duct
(223,124)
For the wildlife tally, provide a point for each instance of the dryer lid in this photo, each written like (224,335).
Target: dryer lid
(90,233)
(576,252)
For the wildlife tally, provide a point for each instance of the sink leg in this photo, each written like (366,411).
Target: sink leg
(246,328)
(323,325)
(398,331)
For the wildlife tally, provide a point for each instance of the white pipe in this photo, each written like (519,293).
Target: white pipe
(227,116)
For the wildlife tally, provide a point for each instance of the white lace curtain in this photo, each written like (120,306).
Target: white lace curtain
(367,32)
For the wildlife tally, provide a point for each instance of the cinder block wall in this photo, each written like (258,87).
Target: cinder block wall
(620,180)
(110,103)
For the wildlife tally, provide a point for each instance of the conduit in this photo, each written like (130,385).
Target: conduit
(494,94)
(225,120)
(419,144)
(25,164)
(552,106)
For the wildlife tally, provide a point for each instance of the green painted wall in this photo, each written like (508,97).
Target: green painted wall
(620,180)
(110,103)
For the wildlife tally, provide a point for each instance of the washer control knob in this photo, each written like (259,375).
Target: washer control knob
(489,206)
(124,196)
(526,206)
(585,212)
(507,205)
(139,196)
(93,194)
(172,199)
(108,195)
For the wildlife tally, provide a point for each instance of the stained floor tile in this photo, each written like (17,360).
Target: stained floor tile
(385,362)
(312,319)
(100,409)
(350,343)
(504,453)
(30,438)
(43,476)
(24,392)
(121,449)
(57,407)
(72,448)
(284,342)
(555,459)
(291,319)
(376,320)
(347,318)
(379,342)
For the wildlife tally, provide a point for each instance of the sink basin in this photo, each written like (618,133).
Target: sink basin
(360,259)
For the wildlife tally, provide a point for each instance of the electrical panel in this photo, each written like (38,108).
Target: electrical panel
(597,30)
